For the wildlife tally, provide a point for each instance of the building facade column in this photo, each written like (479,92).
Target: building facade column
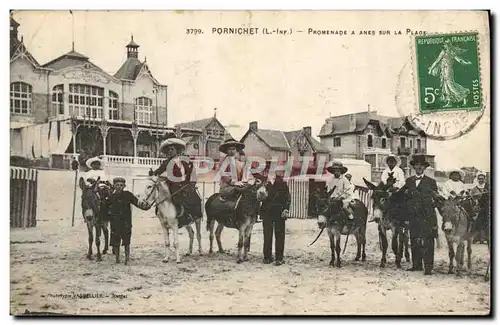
(135,134)
(104,133)
(74,130)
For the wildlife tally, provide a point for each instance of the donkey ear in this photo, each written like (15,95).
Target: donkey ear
(369,184)
(81,183)
(96,184)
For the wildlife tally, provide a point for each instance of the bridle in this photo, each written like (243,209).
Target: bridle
(156,185)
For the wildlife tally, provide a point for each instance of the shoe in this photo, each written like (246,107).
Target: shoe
(414,269)
(267,261)
(374,220)
(428,272)
(279,262)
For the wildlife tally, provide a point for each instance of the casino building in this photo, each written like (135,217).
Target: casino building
(70,106)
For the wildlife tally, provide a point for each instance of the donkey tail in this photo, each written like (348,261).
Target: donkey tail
(208,211)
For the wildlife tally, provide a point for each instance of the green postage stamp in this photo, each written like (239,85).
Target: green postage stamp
(448,73)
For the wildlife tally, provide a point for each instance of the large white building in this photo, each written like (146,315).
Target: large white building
(69,105)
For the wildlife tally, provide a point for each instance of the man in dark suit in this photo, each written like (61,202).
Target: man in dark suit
(274,212)
(420,193)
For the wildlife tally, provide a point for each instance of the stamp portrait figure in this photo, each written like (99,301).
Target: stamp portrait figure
(451,91)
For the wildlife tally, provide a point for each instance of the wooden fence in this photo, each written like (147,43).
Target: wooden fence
(299,192)
(23,197)
(365,196)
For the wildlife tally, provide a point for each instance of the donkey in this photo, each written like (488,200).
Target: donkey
(331,215)
(95,216)
(158,193)
(459,226)
(388,207)
(240,215)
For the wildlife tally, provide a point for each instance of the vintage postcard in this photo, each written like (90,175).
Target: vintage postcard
(189,163)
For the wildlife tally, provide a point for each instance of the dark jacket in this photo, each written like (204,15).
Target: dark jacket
(176,171)
(119,208)
(184,193)
(278,199)
(420,204)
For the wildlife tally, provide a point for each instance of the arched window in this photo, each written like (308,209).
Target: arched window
(143,110)
(113,106)
(21,95)
(370,140)
(57,100)
(86,100)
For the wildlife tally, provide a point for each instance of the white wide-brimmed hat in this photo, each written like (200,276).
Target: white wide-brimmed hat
(173,142)
(479,173)
(93,160)
(459,171)
(336,165)
(398,160)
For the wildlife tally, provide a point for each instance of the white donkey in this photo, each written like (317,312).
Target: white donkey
(158,194)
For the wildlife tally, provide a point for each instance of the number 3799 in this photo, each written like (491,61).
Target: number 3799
(193,31)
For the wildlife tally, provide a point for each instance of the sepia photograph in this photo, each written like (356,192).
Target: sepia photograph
(250,162)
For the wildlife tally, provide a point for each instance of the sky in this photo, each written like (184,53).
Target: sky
(284,82)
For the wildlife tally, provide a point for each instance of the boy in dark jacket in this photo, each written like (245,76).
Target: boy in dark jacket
(274,212)
(120,215)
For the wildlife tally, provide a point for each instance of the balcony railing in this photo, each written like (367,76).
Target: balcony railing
(404,151)
(420,151)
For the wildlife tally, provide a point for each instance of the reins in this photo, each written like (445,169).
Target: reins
(155,187)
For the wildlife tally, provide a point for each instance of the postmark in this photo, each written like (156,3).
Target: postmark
(440,89)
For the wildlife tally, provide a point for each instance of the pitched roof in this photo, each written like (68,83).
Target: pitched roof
(273,138)
(292,137)
(279,140)
(129,69)
(198,124)
(69,59)
(18,49)
(341,124)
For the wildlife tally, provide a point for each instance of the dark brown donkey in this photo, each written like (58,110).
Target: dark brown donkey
(332,216)
(389,209)
(460,225)
(95,215)
(243,217)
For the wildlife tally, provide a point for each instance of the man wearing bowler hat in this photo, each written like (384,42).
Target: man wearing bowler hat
(420,191)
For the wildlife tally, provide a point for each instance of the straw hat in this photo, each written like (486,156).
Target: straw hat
(459,171)
(93,160)
(398,160)
(231,143)
(336,165)
(173,141)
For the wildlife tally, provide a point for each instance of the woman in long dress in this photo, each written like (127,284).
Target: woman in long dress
(451,91)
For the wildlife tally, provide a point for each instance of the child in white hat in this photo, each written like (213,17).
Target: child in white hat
(392,162)
(454,186)
(95,172)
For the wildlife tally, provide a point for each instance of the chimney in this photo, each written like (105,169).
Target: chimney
(369,109)
(253,126)
(352,122)
(307,129)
